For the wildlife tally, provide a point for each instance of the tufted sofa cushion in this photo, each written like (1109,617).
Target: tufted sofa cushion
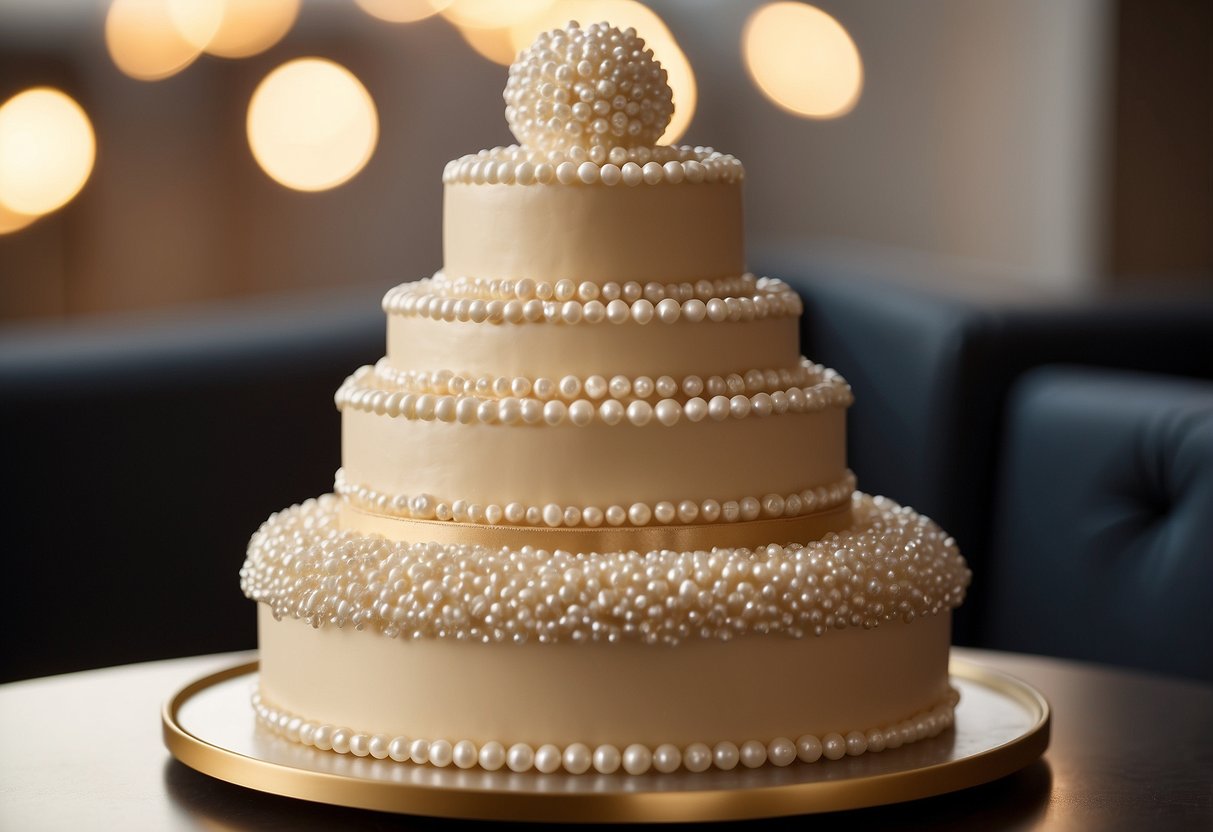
(1103,544)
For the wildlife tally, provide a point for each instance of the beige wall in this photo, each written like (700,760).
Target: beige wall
(979,136)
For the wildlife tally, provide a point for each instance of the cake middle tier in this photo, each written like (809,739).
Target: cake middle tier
(715,470)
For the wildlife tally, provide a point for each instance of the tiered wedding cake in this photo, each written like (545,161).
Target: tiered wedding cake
(595,513)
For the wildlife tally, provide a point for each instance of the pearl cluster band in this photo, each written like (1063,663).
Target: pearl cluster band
(892,564)
(562,290)
(488,168)
(553,515)
(359,392)
(579,758)
(424,298)
(624,388)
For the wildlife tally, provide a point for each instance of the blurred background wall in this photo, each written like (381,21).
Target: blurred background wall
(1059,147)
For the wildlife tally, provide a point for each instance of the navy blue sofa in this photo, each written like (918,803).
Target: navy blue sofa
(140,456)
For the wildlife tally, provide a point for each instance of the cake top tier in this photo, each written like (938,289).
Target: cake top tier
(591,87)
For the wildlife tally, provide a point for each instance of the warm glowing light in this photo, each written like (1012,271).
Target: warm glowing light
(312,125)
(196,21)
(402,11)
(144,41)
(494,44)
(11,221)
(46,153)
(803,60)
(496,14)
(248,27)
(647,23)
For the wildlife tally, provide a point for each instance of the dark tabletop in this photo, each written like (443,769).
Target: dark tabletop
(1128,751)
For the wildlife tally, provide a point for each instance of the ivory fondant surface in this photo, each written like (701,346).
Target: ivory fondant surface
(653,349)
(700,691)
(684,232)
(596,464)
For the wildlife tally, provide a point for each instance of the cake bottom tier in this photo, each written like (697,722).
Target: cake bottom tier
(601,705)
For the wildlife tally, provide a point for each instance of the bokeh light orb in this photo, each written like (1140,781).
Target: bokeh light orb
(497,14)
(47,149)
(145,41)
(312,125)
(648,25)
(249,27)
(402,11)
(803,60)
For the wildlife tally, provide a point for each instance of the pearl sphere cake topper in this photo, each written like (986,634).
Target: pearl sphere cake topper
(591,87)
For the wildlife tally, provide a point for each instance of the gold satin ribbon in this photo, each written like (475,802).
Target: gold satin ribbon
(750,534)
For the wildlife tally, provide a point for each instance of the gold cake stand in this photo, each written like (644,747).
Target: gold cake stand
(1002,725)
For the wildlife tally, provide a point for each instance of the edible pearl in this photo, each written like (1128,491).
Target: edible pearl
(642,311)
(553,515)
(632,174)
(637,759)
(607,759)
(570,386)
(688,511)
(397,749)
(595,387)
(547,758)
(833,746)
(615,515)
(726,756)
(570,312)
(555,411)
(577,758)
(620,386)
(643,386)
(419,751)
(668,412)
(781,752)
(719,408)
(640,412)
(492,756)
(695,409)
(378,747)
(592,516)
(857,743)
(710,509)
(520,757)
(639,514)
(464,754)
(581,412)
(694,310)
(360,745)
(668,311)
(697,757)
(739,406)
(664,512)
(611,411)
(340,740)
(618,311)
(667,758)
(753,754)
(441,753)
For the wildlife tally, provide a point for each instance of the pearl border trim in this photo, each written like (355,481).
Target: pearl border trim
(892,564)
(629,166)
(355,393)
(624,388)
(424,298)
(553,515)
(635,759)
(562,290)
